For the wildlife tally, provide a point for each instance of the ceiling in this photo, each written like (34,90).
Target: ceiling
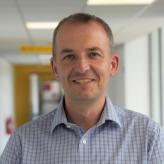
(127,22)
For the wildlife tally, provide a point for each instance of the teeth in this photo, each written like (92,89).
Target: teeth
(83,81)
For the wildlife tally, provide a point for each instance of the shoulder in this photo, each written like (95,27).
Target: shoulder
(129,117)
(40,125)
(139,124)
(25,137)
(144,128)
(144,131)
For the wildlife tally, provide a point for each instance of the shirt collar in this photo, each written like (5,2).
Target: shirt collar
(109,113)
(60,116)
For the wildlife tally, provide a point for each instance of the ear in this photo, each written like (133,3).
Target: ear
(114,64)
(54,67)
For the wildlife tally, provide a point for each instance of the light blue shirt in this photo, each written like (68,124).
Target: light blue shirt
(120,137)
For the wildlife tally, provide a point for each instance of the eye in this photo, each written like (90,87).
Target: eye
(69,57)
(94,54)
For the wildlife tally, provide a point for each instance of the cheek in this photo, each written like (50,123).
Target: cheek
(105,69)
(103,72)
(63,73)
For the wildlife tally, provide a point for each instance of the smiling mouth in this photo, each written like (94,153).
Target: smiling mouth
(83,81)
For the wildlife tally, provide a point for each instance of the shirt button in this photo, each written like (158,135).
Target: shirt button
(68,126)
(84,141)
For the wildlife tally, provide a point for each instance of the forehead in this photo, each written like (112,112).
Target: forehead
(77,30)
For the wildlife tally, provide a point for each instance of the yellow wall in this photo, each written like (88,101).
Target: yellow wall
(22,88)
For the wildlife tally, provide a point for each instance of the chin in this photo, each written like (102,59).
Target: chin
(87,97)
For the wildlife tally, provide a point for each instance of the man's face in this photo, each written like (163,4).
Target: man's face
(83,62)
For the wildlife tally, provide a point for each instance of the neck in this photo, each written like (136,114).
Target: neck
(84,113)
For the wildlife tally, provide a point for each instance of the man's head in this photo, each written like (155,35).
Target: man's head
(83,18)
(83,60)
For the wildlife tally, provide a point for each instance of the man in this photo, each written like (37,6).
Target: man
(86,128)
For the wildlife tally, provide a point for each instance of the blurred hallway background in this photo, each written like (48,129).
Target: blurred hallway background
(27,86)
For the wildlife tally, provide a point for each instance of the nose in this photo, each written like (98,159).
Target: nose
(82,65)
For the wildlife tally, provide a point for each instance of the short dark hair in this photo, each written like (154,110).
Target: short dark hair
(83,18)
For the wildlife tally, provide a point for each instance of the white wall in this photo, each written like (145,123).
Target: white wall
(162,72)
(136,64)
(117,84)
(155,78)
(6,99)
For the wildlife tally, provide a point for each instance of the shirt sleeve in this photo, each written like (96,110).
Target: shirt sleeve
(12,151)
(156,154)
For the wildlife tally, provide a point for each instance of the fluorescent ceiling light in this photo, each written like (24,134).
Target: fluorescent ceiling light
(41,25)
(118,2)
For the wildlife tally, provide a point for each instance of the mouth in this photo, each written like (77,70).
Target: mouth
(82,81)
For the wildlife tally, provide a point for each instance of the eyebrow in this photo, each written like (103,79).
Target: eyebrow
(66,51)
(94,49)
